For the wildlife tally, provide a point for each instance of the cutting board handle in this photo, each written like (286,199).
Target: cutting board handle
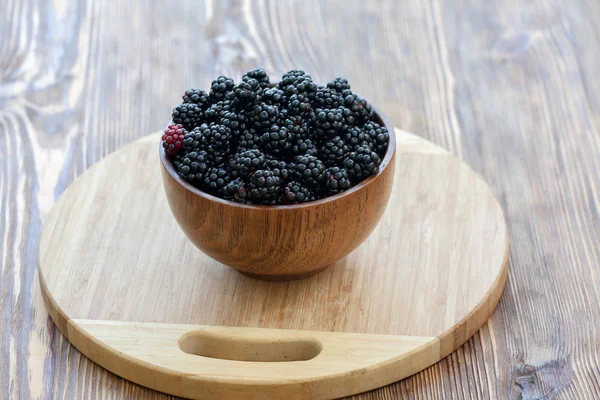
(201,361)
(231,346)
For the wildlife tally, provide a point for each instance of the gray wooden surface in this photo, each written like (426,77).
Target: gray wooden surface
(511,86)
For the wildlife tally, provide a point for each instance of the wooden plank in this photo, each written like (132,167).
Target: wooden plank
(511,86)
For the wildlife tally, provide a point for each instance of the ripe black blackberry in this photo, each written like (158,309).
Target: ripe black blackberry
(361,110)
(327,123)
(336,180)
(348,117)
(215,111)
(355,137)
(237,190)
(218,140)
(274,97)
(296,125)
(295,193)
(379,135)
(298,105)
(187,114)
(262,116)
(195,140)
(334,151)
(247,93)
(234,120)
(292,77)
(192,166)
(215,180)
(304,146)
(326,98)
(260,75)
(176,160)
(196,96)
(339,85)
(280,168)
(361,163)
(264,187)
(276,140)
(248,139)
(246,162)
(308,169)
(221,89)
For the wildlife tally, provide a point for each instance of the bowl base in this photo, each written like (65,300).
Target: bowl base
(283,278)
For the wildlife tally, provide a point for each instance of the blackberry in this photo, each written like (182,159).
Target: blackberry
(276,140)
(280,168)
(295,192)
(176,160)
(298,105)
(292,77)
(361,163)
(246,93)
(218,141)
(195,140)
(187,114)
(221,89)
(348,117)
(259,75)
(192,166)
(246,162)
(248,139)
(308,169)
(237,190)
(379,135)
(327,122)
(359,107)
(298,82)
(334,151)
(236,121)
(274,97)
(196,96)
(215,111)
(297,126)
(172,139)
(336,180)
(264,186)
(302,87)
(339,85)
(356,137)
(326,98)
(215,181)
(304,146)
(263,116)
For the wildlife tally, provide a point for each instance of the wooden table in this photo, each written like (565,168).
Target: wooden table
(512,87)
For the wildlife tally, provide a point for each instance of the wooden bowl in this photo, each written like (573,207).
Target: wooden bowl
(281,242)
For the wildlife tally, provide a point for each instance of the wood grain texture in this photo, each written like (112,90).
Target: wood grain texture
(280,243)
(112,258)
(510,86)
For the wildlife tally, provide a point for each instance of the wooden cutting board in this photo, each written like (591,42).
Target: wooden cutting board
(129,290)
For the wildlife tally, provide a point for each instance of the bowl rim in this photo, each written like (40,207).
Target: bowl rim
(391,149)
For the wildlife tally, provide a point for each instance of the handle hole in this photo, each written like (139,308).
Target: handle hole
(226,347)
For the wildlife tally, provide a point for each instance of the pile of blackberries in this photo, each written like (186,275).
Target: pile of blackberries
(257,143)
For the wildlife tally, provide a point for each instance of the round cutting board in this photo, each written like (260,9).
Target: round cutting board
(128,289)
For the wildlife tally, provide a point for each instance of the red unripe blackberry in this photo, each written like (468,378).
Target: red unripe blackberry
(172,139)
